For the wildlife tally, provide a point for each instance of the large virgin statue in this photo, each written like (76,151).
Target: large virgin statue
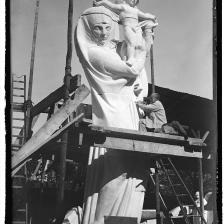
(115,179)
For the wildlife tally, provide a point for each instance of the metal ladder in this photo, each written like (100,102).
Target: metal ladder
(166,210)
(180,191)
(18,138)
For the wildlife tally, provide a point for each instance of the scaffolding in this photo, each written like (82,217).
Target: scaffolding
(73,135)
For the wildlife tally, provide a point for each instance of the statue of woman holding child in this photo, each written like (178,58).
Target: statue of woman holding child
(115,179)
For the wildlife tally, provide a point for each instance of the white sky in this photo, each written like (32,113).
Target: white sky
(182,49)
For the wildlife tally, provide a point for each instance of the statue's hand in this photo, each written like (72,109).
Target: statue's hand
(140,47)
(99,3)
(96,3)
(154,19)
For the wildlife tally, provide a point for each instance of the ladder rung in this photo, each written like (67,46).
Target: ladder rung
(16,145)
(177,217)
(193,215)
(18,119)
(188,205)
(21,210)
(18,81)
(69,161)
(181,216)
(165,164)
(17,187)
(172,174)
(18,88)
(175,185)
(17,127)
(18,95)
(182,195)
(19,176)
(17,104)
(18,109)
(18,136)
(18,222)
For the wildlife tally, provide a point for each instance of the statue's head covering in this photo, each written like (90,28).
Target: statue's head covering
(84,37)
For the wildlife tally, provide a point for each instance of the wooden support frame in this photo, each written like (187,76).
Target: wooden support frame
(55,136)
(55,96)
(153,143)
(45,132)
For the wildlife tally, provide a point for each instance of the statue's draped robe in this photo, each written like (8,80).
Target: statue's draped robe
(115,182)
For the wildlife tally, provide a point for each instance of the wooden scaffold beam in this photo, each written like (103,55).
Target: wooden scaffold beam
(64,139)
(30,86)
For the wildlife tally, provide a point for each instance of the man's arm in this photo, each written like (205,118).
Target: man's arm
(146,16)
(148,107)
(117,8)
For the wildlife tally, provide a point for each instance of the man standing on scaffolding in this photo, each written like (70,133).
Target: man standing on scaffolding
(155,113)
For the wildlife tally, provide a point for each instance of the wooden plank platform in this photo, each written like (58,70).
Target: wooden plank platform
(147,142)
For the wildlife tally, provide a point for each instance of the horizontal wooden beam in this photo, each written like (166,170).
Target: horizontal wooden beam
(147,142)
(147,147)
(55,96)
(147,136)
(150,214)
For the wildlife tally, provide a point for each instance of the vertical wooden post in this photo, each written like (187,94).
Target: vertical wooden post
(201,192)
(64,139)
(158,219)
(30,87)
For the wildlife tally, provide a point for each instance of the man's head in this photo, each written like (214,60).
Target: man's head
(197,195)
(154,97)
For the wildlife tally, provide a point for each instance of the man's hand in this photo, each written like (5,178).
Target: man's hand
(139,102)
(141,112)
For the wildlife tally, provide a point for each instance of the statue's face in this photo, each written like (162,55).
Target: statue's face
(101,32)
(132,3)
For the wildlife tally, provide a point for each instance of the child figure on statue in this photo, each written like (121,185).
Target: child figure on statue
(129,15)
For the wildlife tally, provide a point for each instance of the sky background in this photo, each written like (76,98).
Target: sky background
(182,47)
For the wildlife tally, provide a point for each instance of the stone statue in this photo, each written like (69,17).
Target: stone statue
(115,182)
(129,16)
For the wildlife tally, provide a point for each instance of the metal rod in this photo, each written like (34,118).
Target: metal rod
(160,196)
(158,219)
(201,195)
